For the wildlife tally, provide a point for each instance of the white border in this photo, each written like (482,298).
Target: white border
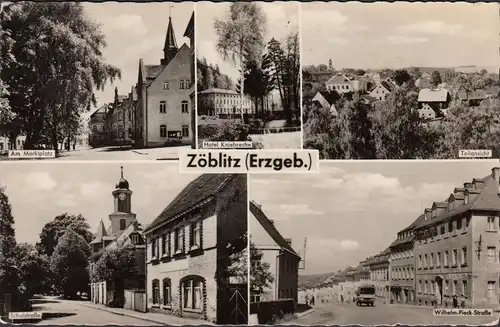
(195,51)
(301,91)
(248,249)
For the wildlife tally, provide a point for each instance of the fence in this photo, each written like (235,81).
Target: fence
(135,300)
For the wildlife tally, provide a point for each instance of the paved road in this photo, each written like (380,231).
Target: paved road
(123,154)
(63,312)
(289,140)
(350,314)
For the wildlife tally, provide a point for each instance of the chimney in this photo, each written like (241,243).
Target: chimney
(495,173)
(428,213)
(468,185)
(288,241)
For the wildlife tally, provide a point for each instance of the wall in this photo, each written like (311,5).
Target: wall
(288,276)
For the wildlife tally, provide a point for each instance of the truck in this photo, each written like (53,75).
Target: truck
(365,294)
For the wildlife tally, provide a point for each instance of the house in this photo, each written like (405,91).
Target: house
(6,145)
(164,96)
(435,99)
(457,246)
(326,100)
(97,126)
(374,76)
(492,91)
(189,251)
(379,273)
(124,230)
(122,118)
(342,84)
(426,112)
(472,98)
(382,90)
(278,253)
(222,103)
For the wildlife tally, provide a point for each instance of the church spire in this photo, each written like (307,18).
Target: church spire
(101,231)
(170,48)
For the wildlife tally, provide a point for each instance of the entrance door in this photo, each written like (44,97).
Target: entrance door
(439,289)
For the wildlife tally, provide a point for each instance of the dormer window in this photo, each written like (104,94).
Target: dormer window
(466,198)
(135,239)
(434,213)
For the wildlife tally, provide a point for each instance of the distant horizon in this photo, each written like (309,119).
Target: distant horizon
(490,69)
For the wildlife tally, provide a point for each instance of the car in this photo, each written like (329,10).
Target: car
(365,295)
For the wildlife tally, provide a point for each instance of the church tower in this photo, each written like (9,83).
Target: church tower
(170,48)
(122,216)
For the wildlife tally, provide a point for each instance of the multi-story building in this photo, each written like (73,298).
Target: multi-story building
(437,100)
(188,254)
(164,96)
(223,103)
(402,265)
(189,33)
(124,230)
(343,84)
(122,119)
(379,273)
(97,125)
(278,253)
(457,246)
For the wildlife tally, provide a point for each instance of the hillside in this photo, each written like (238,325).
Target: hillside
(313,280)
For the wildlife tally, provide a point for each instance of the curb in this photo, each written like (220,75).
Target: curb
(123,314)
(305,313)
(421,307)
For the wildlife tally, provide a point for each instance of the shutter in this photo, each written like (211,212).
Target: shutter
(176,242)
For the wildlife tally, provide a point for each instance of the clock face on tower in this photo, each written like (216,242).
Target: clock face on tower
(122,196)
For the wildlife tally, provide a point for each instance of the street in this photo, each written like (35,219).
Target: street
(350,314)
(289,140)
(65,312)
(123,154)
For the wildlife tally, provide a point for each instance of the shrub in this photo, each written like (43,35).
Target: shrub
(228,131)
(270,312)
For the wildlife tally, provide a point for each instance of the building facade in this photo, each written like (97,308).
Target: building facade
(278,253)
(164,107)
(223,103)
(457,246)
(379,274)
(6,145)
(437,100)
(187,249)
(124,230)
(189,33)
(98,128)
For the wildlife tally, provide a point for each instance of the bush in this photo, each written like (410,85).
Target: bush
(269,312)
(228,131)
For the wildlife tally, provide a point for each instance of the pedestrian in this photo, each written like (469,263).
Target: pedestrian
(307,299)
(455,301)
(312,300)
(341,298)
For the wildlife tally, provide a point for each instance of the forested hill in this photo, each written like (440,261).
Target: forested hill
(209,76)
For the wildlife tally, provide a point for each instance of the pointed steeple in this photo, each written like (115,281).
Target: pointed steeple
(170,48)
(101,231)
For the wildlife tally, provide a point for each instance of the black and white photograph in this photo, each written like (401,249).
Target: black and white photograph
(376,243)
(248,73)
(137,244)
(97,81)
(400,80)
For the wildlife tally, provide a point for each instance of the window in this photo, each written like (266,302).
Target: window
(491,223)
(454,259)
(163,130)
(185,130)
(195,240)
(431,264)
(255,297)
(185,106)
(464,288)
(490,292)
(459,224)
(179,240)
(438,259)
(153,248)
(454,290)
(466,199)
(165,85)
(182,85)
(163,107)
(491,254)
(167,292)
(445,258)
(123,224)
(425,261)
(192,294)
(420,262)
(450,227)
(164,245)
(463,260)
(443,229)
(156,291)
(135,239)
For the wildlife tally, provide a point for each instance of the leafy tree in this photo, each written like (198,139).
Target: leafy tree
(52,231)
(401,76)
(360,72)
(34,270)
(260,274)
(322,67)
(483,72)
(436,78)
(57,69)
(69,262)
(415,73)
(241,36)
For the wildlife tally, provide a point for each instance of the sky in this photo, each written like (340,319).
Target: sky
(350,211)
(282,19)
(38,192)
(134,31)
(392,35)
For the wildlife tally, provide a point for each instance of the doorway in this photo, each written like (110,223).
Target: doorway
(438,280)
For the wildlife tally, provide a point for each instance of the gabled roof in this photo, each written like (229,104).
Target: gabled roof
(197,191)
(330,97)
(338,79)
(388,85)
(410,237)
(101,110)
(190,26)
(270,228)
(428,95)
(101,235)
(472,95)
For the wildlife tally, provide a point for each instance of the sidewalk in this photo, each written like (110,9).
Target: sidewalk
(156,318)
(163,153)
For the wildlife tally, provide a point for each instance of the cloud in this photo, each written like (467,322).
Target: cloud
(66,201)
(399,39)
(333,19)
(299,210)
(39,181)
(91,189)
(125,23)
(339,245)
(431,27)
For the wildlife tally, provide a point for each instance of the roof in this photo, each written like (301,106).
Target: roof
(190,27)
(338,79)
(170,41)
(368,98)
(488,199)
(270,228)
(410,237)
(388,85)
(472,95)
(200,189)
(101,110)
(331,97)
(437,95)
(215,90)
(153,71)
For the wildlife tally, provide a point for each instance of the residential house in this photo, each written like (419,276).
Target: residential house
(492,91)
(457,246)
(342,84)
(222,103)
(326,100)
(164,96)
(124,230)
(379,273)
(436,99)
(188,251)
(189,33)
(320,76)
(382,90)
(122,118)
(375,77)
(278,253)
(97,126)
(402,265)
(472,98)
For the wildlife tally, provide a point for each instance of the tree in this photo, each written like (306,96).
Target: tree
(401,76)
(260,274)
(360,72)
(436,78)
(57,69)
(52,231)
(34,270)
(69,262)
(241,37)
(483,72)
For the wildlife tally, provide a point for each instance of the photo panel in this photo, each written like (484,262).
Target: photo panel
(131,244)
(401,80)
(248,75)
(120,89)
(376,243)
